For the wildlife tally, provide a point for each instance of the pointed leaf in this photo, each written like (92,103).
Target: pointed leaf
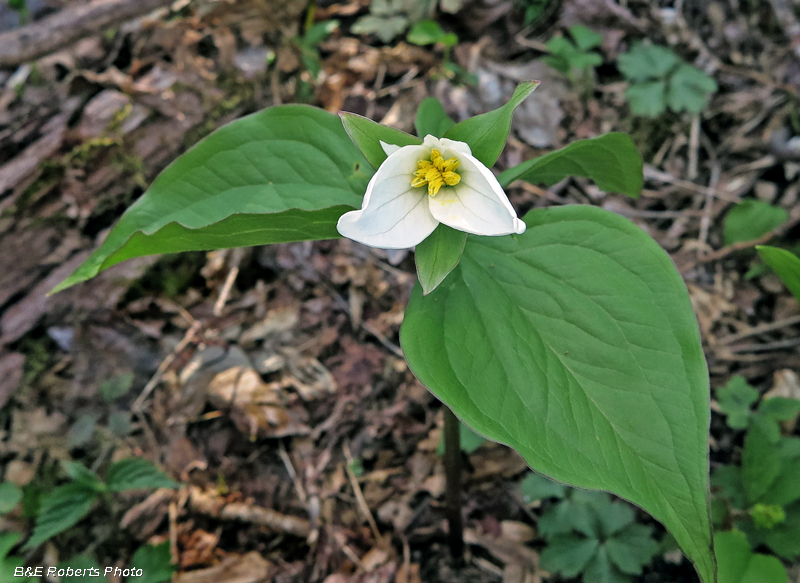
(632,549)
(135,473)
(487,133)
(611,160)
(738,563)
(761,462)
(438,255)
(284,174)
(576,344)
(786,264)
(567,554)
(432,118)
(84,476)
(751,219)
(155,563)
(61,509)
(368,135)
(600,570)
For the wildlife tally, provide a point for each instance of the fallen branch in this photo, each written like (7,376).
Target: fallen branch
(214,506)
(67,26)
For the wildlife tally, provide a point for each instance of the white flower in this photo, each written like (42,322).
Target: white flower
(418,187)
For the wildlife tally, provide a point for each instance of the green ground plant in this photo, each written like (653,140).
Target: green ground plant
(574,58)
(660,80)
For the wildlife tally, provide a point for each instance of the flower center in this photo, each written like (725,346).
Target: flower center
(436,172)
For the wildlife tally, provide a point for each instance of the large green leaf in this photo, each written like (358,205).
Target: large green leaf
(611,160)
(368,135)
(575,343)
(284,174)
(487,133)
(786,264)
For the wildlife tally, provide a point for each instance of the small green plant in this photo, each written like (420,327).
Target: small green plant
(154,562)
(308,44)
(589,535)
(760,497)
(785,264)
(574,57)
(751,219)
(428,32)
(532,10)
(388,19)
(738,563)
(660,79)
(63,507)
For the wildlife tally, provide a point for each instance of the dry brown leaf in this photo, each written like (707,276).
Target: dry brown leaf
(249,568)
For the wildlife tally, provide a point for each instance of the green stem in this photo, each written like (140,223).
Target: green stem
(452,472)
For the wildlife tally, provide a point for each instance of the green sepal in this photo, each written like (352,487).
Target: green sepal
(487,133)
(438,255)
(367,135)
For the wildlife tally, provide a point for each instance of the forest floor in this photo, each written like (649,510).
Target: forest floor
(330,430)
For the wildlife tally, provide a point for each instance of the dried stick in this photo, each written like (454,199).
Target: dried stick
(452,473)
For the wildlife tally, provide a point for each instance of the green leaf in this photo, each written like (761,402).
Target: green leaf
(577,341)
(611,160)
(689,89)
(79,569)
(783,539)
(368,135)
(751,219)
(61,509)
(729,480)
(155,561)
(438,255)
(786,264)
(780,408)
(432,118)
(600,570)
(585,38)
(633,548)
(570,514)
(426,32)
(784,489)
(647,98)
(487,133)
(644,62)
(536,487)
(116,387)
(8,565)
(738,564)
(135,473)
(613,517)
(735,400)
(84,476)
(761,462)
(284,174)
(10,496)
(567,554)
(386,28)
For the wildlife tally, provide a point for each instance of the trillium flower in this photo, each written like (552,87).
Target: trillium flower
(418,187)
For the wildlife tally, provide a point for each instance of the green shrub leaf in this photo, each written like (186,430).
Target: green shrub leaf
(368,135)
(611,160)
(536,487)
(568,554)
(135,473)
(284,174)
(784,263)
(432,118)
(575,343)
(735,400)
(438,255)
(738,564)
(487,133)
(751,219)
(646,61)
(155,561)
(84,476)
(10,496)
(61,509)
(689,89)
(647,98)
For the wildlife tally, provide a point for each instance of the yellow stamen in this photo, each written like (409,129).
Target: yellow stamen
(436,172)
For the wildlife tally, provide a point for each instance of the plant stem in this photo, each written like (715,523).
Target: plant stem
(452,472)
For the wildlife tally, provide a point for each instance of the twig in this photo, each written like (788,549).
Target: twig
(760,329)
(708,205)
(362,502)
(654,174)
(694,147)
(212,505)
(287,462)
(768,347)
(67,26)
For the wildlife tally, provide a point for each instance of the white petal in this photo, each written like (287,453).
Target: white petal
(389,148)
(477,204)
(443,144)
(393,215)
